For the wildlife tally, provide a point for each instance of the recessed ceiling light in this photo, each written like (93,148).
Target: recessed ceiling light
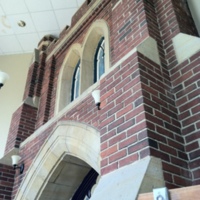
(21,23)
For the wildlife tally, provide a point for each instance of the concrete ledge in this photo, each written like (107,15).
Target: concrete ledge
(148,47)
(32,101)
(185,46)
(129,181)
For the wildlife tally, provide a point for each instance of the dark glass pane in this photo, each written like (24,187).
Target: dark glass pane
(85,187)
(99,63)
(75,82)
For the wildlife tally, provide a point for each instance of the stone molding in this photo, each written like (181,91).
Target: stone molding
(185,46)
(68,138)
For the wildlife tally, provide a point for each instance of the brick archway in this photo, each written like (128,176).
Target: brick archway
(68,138)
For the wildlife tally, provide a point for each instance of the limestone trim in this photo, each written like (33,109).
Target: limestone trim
(96,31)
(148,47)
(119,2)
(68,138)
(32,101)
(65,77)
(185,46)
(86,54)
(36,56)
(75,27)
(57,117)
(129,181)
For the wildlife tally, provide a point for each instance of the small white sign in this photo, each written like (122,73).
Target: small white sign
(160,194)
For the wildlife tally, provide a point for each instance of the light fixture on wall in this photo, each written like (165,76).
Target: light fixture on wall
(3,78)
(96,96)
(15,162)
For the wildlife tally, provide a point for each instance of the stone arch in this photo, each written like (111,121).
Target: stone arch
(97,30)
(68,138)
(65,77)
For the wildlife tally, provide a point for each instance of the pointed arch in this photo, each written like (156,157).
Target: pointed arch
(68,138)
(86,53)
(97,30)
(66,75)
(99,61)
(76,82)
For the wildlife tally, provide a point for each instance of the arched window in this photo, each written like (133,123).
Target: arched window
(99,62)
(76,82)
(96,44)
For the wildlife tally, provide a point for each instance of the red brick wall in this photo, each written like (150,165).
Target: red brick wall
(40,75)
(164,128)
(122,123)
(46,94)
(187,92)
(31,80)
(22,126)
(6,181)
(129,28)
(146,108)
(173,17)
(184,18)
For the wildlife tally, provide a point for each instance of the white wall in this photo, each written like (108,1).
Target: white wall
(11,94)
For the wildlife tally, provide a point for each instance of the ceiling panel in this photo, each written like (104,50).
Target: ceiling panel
(1,11)
(5,26)
(60,4)
(80,2)
(13,7)
(38,5)
(28,41)
(29,28)
(64,16)
(45,21)
(42,17)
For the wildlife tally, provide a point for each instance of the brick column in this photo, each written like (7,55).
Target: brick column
(31,80)
(46,93)
(187,93)
(22,126)
(6,181)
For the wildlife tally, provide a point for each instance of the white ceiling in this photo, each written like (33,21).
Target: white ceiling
(42,17)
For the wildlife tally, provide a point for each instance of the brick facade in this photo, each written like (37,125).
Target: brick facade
(147,108)
(7,175)
(23,125)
